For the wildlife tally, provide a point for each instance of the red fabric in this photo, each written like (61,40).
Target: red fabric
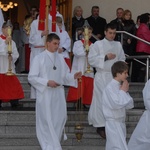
(89,42)
(27,57)
(85,93)
(68,62)
(3,37)
(10,88)
(143,32)
(42,15)
(53,13)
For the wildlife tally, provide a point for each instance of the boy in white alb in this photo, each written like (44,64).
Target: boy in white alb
(116,100)
(80,63)
(10,87)
(140,138)
(48,74)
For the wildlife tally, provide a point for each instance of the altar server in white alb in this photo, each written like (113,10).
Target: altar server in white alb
(140,138)
(102,55)
(48,74)
(65,42)
(116,100)
(80,63)
(37,42)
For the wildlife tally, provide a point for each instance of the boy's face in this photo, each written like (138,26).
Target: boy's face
(59,25)
(122,76)
(110,34)
(5,31)
(53,45)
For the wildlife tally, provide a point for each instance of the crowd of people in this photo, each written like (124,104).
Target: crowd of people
(97,75)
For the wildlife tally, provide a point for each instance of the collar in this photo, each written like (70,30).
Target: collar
(83,41)
(3,37)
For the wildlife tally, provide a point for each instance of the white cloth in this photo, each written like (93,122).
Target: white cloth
(4,56)
(65,42)
(80,59)
(140,138)
(37,44)
(103,75)
(51,113)
(1,21)
(114,105)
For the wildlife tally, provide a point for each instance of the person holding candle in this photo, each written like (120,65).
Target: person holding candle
(10,87)
(84,90)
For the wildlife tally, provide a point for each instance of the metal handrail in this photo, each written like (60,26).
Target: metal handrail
(147,57)
(132,36)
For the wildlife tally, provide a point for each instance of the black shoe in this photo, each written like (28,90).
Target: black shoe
(25,71)
(101,132)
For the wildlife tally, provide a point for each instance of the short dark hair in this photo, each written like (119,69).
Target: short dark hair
(52,36)
(110,26)
(144,18)
(118,67)
(94,7)
(5,25)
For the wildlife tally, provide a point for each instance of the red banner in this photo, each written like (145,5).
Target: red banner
(53,13)
(42,15)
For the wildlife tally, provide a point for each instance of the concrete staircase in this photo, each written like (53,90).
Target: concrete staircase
(17,127)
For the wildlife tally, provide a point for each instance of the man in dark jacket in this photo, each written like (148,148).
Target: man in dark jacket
(97,23)
(118,23)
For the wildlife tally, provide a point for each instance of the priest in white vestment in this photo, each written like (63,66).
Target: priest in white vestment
(102,55)
(140,138)
(116,100)
(47,75)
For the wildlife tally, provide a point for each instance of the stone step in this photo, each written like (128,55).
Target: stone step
(64,148)
(23,122)
(137,86)
(30,103)
(17,129)
(29,116)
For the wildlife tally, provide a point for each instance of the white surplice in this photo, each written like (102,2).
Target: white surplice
(80,59)
(65,42)
(114,105)
(103,75)
(4,56)
(140,139)
(51,111)
(37,43)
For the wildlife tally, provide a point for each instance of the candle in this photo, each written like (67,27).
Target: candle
(9,30)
